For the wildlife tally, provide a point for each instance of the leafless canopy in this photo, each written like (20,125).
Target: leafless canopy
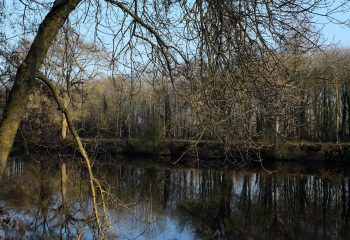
(223,57)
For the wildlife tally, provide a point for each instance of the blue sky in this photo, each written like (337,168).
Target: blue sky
(335,33)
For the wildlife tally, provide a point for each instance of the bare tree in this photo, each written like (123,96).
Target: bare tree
(26,75)
(72,62)
(228,51)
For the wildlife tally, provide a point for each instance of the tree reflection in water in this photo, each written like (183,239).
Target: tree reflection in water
(157,202)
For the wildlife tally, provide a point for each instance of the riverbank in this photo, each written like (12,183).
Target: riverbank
(215,151)
(206,150)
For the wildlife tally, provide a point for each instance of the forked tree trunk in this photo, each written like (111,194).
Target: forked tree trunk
(25,76)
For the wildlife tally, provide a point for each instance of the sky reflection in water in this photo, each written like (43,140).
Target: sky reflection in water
(175,203)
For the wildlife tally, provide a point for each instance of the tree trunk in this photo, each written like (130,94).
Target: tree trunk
(337,111)
(344,113)
(64,127)
(64,124)
(25,76)
(167,116)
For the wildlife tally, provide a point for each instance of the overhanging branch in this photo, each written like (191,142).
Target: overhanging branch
(64,110)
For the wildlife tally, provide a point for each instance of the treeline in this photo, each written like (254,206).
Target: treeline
(312,102)
(308,100)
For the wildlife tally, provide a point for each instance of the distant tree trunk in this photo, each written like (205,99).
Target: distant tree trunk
(324,116)
(343,120)
(64,124)
(301,120)
(258,124)
(25,76)
(302,124)
(277,127)
(337,112)
(318,116)
(348,109)
(175,117)
(128,122)
(167,120)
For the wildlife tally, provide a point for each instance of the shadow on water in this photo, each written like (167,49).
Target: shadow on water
(151,201)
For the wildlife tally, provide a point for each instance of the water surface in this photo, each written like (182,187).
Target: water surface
(152,201)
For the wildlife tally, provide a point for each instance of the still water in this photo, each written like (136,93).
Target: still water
(152,201)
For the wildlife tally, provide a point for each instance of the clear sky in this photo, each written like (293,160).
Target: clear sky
(335,33)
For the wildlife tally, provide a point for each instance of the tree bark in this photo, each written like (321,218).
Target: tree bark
(25,76)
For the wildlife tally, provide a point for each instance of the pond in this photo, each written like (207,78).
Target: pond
(155,201)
